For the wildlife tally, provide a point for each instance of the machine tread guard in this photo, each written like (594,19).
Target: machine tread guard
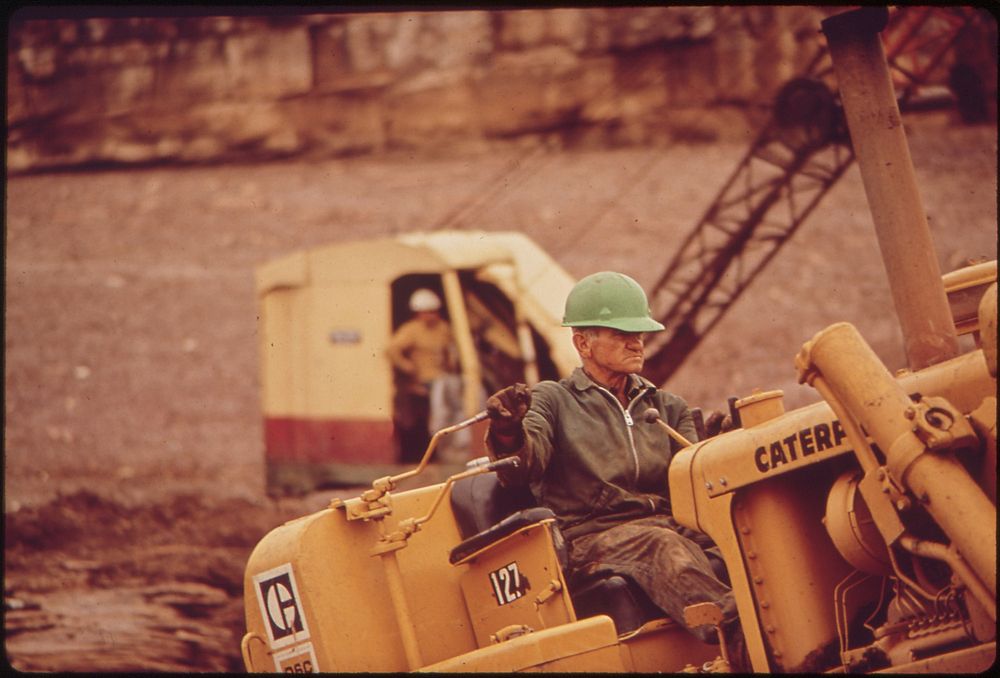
(508,525)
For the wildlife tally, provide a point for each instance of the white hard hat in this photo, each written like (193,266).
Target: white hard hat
(424,300)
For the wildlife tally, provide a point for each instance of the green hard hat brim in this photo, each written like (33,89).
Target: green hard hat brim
(621,324)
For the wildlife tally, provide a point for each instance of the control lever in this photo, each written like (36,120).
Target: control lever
(505,462)
(652,415)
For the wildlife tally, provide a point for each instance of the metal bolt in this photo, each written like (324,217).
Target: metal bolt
(764,604)
(909,413)
(758,580)
(770,629)
(751,555)
(708,485)
(722,481)
(745,530)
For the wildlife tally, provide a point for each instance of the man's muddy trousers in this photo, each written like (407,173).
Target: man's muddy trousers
(665,559)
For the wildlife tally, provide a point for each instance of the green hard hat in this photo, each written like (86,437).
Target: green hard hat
(609,299)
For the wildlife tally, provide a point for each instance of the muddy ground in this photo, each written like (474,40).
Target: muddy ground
(134,480)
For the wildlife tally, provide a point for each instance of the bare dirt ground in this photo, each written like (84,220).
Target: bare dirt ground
(134,481)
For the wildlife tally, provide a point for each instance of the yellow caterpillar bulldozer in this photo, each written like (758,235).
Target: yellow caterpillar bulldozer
(858,533)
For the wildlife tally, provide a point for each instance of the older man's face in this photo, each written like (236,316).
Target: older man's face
(617,351)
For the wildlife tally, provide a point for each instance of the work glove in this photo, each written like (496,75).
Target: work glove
(506,408)
(717,423)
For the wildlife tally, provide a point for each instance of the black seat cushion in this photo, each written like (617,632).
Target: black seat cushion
(508,525)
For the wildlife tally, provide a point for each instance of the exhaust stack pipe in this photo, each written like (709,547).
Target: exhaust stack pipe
(890,184)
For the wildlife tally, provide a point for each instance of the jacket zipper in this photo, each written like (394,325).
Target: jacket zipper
(629,423)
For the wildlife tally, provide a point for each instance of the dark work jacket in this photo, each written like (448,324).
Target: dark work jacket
(592,461)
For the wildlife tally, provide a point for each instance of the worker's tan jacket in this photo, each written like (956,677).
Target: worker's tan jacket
(420,351)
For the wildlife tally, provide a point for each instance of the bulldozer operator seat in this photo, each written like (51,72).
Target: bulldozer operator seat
(486,512)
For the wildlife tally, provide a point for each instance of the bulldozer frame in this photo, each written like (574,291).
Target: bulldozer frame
(858,532)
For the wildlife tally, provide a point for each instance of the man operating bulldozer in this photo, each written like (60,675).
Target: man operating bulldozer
(587,452)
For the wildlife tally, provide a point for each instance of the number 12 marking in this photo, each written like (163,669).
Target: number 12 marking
(506,584)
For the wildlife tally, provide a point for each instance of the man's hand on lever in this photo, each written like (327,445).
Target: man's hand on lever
(506,409)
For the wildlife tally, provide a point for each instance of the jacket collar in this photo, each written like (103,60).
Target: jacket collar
(582,382)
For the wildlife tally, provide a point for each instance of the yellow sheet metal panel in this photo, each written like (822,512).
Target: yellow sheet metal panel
(325,322)
(376,261)
(809,435)
(432,584)
(795,567)
(349,324)
(317,344)
(664,646)
(964,288)
(339,590)
(970,660)
(503,584)
(713,515)
(800,438)
(460,249)
(587,645)
(279,310)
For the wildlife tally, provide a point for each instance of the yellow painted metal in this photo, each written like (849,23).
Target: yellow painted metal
(965,288)
(344,592)
(759,407)
(963,381)
(984,421)
(471,373)
(663,646)
(793,565)
(404,618)
(251,646)
(742,457)
(701,501)
(516,581)
(988,328)
(849,523)
(883,156)
(867,390)
(978,659)
(298,359)
(745,456)
(695,507)
(334,294)
(589,645)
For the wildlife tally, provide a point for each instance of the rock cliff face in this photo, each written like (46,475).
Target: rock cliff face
(86,90)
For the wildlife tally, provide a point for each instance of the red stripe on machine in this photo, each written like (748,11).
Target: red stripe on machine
(340,440)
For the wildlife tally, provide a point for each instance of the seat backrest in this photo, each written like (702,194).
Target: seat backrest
(481,501)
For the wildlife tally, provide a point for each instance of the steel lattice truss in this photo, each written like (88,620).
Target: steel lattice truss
(793,163)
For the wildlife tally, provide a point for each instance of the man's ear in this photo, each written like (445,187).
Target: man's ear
(582,344)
